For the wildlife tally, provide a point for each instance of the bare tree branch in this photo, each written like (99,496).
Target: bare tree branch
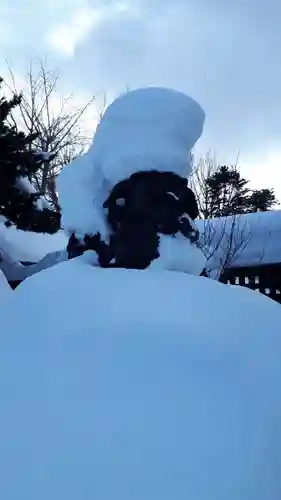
(224,238)
(56,121)
(206,167)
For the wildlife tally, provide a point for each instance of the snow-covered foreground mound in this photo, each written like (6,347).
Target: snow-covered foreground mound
(5,289)
(138,385)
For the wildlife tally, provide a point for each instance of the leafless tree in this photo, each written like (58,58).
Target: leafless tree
(55,119)
(222,241)
(202,170)
(224,238)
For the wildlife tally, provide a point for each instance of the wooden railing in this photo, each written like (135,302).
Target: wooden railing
(265,279)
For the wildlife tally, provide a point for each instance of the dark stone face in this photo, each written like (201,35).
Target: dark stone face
(162,198)
(138,209)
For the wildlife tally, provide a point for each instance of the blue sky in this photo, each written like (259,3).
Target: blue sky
(226,54)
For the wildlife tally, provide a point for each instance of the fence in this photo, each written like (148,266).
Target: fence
(265,279)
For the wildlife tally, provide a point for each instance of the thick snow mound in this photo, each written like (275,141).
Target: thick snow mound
(144,385)
(145,129)
(177,253)
(5,289)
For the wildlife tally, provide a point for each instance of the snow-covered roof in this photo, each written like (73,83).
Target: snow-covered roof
(29,246)
(242,240)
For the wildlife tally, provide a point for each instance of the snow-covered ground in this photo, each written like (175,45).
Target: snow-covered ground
(29,246)
(5,289)
(145,385)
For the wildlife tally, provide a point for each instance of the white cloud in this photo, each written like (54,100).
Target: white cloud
(225,54)
(6,31)
(64,37)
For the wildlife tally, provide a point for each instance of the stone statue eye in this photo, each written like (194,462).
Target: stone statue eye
(121,202)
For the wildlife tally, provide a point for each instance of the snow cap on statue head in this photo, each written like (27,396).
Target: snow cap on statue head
(151,128)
